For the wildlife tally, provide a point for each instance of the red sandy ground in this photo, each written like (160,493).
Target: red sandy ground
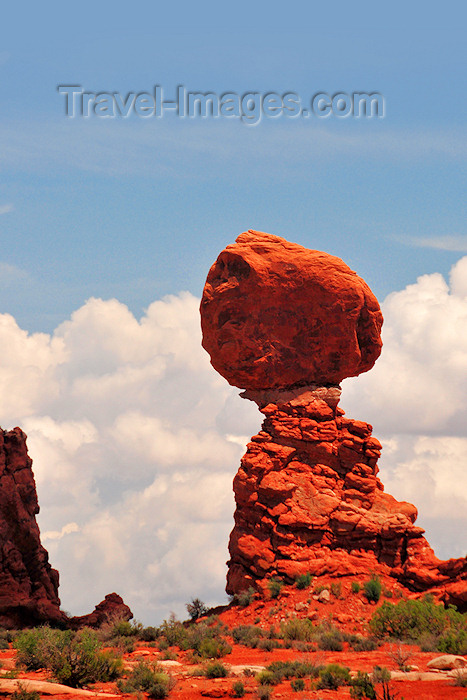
(350,612)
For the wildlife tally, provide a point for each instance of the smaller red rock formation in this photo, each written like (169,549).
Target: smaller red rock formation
(110,609)
(275,315)
(28,584)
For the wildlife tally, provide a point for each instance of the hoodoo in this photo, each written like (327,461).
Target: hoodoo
(287,324)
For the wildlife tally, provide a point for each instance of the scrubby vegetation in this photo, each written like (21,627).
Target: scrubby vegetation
(275,586)
(333,676)
(372,589)
(74,658)
(244,598)
(303,581)
(420,621)
(150,679)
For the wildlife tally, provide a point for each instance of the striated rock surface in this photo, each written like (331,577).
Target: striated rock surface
(28,584)
(287,324)
(276,315)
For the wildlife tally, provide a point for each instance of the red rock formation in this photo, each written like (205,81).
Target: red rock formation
(275,314)
(110,609)
(28,584)
(278,321)
(309,500)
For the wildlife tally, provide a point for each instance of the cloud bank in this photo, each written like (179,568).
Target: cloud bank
(136,439)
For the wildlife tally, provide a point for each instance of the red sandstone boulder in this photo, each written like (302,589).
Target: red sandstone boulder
(275,315)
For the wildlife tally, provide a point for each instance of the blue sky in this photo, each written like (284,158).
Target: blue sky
(135,439)
(135,208)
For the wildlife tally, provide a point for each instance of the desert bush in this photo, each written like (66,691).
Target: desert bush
(372,589)
(244,598)
(248,635)
(410,619)
(278,671)
(303,581)
(275,586)
(297,684)
(333,676)
(380,674)
(148,634)
(400,656)
(196,608)
(74,659)
(336,589)
(298,628)
(22,694)
(360,643)
(173,632)
(329,638)
(362,687)
(263,692)
(238,690)
(356,588)
(206,642)
(215,670)
(269,644)
(150,679)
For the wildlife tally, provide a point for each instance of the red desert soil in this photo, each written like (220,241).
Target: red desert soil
(350,613)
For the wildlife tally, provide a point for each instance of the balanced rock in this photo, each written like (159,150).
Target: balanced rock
(287,325)
(275,314)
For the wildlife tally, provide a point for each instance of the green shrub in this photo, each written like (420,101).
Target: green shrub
(263,692)
(297,684)
(372,589)
(330,639)
(336,589)
(196,609)
(74,659)
(278,671)
(23,694)
(360,643)
(356,588)
(275,586)
(149,679)
(380,674)
(248,635)
(362,687)
(206,642)
(238,690)
(148,634)
(173,632)
(303,581)
(412,619)
(297,628)
(333,676)
(215,670)
(244,598)
(269,644)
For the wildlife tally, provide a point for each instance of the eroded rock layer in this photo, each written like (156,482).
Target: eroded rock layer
(28,584)
(308,499)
